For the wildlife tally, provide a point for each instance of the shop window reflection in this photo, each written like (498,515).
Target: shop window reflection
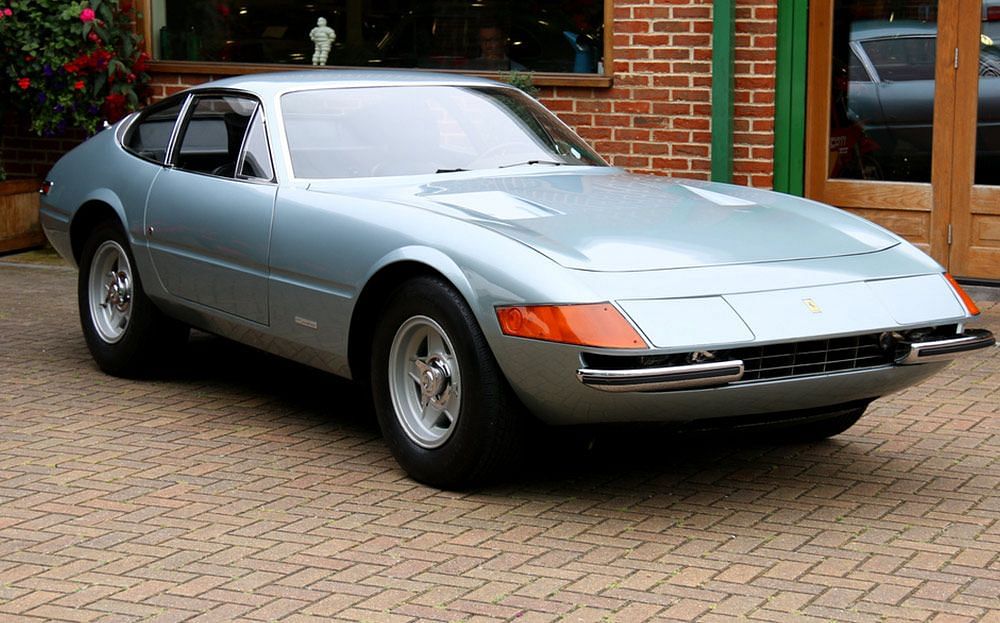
(988,118)
(561,36)
(882,109)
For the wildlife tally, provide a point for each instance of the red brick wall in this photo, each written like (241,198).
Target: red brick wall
(657,116)
(756,56)
(24,154)
(165,85)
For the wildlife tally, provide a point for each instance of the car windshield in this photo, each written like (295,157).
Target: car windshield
(413,130)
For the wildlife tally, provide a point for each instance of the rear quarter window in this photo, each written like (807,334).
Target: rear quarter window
(149,136)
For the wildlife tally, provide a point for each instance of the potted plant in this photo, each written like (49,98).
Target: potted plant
(69,66)
(19,227)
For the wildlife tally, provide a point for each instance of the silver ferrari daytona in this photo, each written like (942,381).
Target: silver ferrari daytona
(451,244)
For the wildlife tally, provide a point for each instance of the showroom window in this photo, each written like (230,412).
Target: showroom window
(563,36)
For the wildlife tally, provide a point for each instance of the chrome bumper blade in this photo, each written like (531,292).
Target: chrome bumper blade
(661,379)
(942,350)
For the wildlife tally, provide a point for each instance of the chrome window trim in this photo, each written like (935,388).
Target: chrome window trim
(866,62)
(243,148)
(183,119)
(168,161)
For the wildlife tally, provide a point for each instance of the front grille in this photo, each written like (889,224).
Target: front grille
(778,361)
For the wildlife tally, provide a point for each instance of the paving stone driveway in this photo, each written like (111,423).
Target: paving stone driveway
(236,486)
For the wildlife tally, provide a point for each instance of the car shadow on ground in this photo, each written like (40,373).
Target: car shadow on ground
(210,359)
(552,456)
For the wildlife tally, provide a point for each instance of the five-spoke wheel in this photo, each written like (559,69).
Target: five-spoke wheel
(445,409)
(124,330)
(425,381)
(110,291)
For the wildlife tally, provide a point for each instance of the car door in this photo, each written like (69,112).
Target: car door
(208,215)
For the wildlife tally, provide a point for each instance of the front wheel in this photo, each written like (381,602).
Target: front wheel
(124,331)
(445,409)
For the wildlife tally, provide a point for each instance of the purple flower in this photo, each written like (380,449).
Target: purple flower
(92,110)
(41,97)
(58,108)
(47,70)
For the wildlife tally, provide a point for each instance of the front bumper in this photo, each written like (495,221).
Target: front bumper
(542,375)
(947,349)
(719,373)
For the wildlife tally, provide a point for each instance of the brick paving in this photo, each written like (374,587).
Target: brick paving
(234,486)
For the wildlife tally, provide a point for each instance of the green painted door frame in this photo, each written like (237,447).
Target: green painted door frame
(790,96)
(723,34)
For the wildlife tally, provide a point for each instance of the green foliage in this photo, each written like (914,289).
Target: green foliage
(71,64)
(522,81)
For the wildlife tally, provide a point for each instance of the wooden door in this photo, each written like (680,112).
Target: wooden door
(892,123)
(975,252)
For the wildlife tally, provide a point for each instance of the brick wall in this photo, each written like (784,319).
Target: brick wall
(657,116)
(24,154)
(165,85)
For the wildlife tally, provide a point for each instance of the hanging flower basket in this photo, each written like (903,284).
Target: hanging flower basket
(19,227)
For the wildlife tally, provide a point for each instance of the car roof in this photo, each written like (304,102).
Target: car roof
(276,83)
(863,30)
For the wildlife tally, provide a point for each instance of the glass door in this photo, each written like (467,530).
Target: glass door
(903,122)
(975,251)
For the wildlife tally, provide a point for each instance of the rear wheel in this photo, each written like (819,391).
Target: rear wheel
(445,409)
(124,331)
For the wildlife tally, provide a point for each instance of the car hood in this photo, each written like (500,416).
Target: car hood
(602,219)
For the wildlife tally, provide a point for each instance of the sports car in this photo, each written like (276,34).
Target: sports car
(450,243)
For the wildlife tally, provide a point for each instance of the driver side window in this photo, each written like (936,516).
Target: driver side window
(256,159)
(213,134)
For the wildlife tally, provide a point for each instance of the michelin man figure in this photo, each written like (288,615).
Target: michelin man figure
(323,36)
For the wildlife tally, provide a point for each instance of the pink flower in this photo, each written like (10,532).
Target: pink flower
(87,15)
(8,12)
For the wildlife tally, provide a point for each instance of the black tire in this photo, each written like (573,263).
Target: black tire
(818,429)
(489,421)
(146,335)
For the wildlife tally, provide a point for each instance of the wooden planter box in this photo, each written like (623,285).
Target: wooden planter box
(19,227)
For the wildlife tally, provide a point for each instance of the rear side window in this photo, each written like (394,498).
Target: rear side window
(902,59)
(856,71)
(149,137)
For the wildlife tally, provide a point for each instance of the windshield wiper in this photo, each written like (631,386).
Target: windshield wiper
(517,164)
(459,170)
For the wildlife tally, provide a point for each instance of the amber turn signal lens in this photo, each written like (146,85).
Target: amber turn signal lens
(962,294)
(597,324)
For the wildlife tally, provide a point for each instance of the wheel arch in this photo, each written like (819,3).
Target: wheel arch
(92,212)
(393,271)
